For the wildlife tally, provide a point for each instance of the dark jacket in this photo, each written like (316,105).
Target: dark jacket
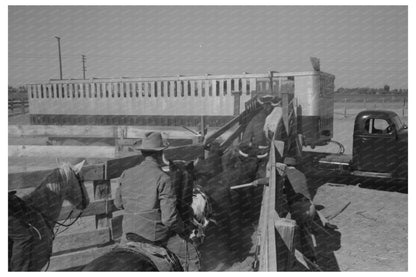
(149,201)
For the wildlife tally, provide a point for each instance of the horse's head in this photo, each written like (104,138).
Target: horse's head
(73,188)
(202,213)
(192,203)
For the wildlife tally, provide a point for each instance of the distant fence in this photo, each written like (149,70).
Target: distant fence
(348,106)
(18,105)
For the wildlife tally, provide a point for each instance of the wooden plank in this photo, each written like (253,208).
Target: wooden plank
(100,207)
(280,147)
(187,152)
(263,266)
(134,132)
(243,118)
(222,130)
(286,230)
(232,137)
(81,240)
(237,96)
(60,131)
(102,190)
(285,111)
(114,167)
(61,151)
(272,247)
(75,259)
(89,131)
(32,179)
(93,172)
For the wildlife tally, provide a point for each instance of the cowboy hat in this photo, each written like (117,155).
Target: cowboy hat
(151,142)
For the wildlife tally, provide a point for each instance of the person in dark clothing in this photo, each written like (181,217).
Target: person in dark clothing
(148,198)
(20,234)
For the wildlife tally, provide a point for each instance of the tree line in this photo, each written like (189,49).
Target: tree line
(372,91)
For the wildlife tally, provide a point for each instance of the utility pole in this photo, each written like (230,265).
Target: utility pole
(84,59)
(60,58)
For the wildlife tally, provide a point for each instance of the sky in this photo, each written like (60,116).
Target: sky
(363,46)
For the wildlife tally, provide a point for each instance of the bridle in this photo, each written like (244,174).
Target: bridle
(199,231)
(81,183)
(83,205)
(47,220)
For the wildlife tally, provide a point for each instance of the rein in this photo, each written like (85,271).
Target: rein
(83,203)
(48,220)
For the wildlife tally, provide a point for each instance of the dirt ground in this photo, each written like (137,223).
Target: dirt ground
(373,229)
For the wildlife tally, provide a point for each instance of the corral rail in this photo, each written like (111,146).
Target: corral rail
(79,248)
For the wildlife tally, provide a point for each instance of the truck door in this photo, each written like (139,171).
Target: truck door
(374,148)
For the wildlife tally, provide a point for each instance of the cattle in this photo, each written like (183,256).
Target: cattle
(239,164)
(232,209)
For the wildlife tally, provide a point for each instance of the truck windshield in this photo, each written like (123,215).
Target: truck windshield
(397,122)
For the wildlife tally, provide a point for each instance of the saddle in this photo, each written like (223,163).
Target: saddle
(163,259)
(17,207)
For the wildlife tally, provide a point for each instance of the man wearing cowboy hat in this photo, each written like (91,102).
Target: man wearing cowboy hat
(148,197)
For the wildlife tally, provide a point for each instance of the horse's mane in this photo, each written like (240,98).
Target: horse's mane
(52,181)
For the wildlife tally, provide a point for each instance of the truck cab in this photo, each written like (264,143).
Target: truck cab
(379,145)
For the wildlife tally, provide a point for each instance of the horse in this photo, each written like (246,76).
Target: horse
(43,206)
(137,256)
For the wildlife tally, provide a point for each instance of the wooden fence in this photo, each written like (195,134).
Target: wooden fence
(276,229)
(276,232)
(124,137)
(349,107)
(18,105)
(77,249)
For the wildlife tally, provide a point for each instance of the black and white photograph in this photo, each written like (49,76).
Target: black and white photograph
(213,137)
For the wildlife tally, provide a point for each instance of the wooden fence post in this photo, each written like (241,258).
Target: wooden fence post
(202,130)
(345,108)
(285,111)
(237,96)
(286,229)
(22,103)
(120,133)
(102,190)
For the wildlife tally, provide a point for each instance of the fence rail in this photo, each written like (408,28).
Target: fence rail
(18,104)
(276,232)
(68,249)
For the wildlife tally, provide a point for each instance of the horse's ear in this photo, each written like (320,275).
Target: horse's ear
(58,162)
(172,166)
(77,168)
(195,162)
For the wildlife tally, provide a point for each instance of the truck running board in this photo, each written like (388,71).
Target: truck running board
(371,174)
